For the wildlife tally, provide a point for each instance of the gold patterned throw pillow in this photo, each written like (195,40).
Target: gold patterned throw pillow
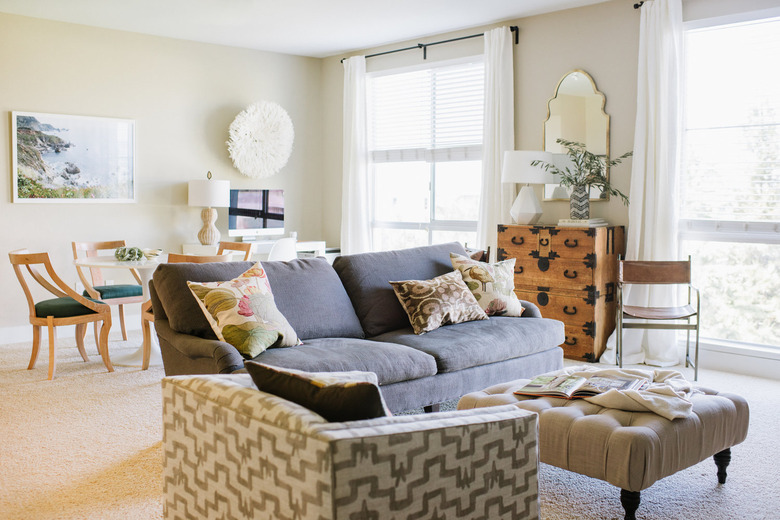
(242,312)
(440,301)
(493,285)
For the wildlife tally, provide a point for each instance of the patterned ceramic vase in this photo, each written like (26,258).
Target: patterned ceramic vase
(579,203)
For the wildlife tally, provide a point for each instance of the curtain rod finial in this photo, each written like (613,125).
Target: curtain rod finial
(638,5)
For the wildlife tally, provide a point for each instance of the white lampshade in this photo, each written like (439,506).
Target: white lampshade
(517,167)
(209,193)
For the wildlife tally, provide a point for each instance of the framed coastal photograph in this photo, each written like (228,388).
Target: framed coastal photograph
(68,158)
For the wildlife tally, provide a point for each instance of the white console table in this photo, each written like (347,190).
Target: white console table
(262,248)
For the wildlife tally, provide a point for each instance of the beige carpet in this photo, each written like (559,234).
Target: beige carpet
(87,446)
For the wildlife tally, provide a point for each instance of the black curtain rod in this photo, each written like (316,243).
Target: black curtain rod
(424,46)
(638,4)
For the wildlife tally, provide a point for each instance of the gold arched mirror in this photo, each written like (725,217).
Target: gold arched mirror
(576,113)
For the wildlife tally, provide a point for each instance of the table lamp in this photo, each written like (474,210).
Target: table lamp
(209,194)
(517,168)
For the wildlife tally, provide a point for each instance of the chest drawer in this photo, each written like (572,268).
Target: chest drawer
(562,274)
(575,310)
(546,242)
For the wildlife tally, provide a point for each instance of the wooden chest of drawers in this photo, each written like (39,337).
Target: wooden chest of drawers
(571,274)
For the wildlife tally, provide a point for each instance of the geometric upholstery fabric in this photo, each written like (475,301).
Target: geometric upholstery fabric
(231,451)
(64,307)
(108,292)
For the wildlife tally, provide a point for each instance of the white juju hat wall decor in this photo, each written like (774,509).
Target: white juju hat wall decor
(261,139)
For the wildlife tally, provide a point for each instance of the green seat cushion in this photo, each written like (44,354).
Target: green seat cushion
(108,292)
(61,308)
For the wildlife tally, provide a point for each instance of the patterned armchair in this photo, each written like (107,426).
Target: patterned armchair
(233,452)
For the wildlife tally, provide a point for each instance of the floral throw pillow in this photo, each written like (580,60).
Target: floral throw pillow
(242,312)
(493,285)
(440,301)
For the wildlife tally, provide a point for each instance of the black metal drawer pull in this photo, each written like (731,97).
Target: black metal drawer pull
(570,341)
(544,242)
(567,244)
(566,310)
(519,270)
(516,242)
(570,276)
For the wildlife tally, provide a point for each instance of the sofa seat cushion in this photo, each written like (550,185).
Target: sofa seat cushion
(367,276)
(475,343)
(309,293)
(390,362)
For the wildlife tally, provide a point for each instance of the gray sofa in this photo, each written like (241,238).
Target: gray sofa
(350,319)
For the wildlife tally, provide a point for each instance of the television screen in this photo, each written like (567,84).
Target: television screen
(256,213)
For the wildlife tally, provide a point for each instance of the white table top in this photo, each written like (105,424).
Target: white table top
(110,261)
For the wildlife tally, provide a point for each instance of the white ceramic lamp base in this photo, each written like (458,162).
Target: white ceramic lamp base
(209,234)
(526,209)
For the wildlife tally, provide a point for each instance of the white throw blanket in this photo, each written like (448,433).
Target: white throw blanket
(668,395)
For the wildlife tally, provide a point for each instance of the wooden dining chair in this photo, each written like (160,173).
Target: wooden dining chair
(246,247)
(68,308)
(146,309)
(94,285)
(671,317)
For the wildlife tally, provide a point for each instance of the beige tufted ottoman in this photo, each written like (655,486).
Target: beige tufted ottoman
(630,450)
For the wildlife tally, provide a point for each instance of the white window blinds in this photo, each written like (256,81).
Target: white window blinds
(732,138)
(427,115)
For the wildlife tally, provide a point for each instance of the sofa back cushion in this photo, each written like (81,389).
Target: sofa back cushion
(367,277)
(184,313)
(309,293)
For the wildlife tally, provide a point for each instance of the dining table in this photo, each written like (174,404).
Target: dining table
(145,269)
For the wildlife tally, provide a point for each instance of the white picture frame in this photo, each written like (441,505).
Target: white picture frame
(69,158)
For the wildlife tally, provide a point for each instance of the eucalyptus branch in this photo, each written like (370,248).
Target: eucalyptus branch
(587,169)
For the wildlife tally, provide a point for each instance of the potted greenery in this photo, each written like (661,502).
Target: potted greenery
(582,170)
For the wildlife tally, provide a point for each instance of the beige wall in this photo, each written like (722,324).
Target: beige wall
(182,96)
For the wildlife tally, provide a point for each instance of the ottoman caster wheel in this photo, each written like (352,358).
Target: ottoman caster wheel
(630,501)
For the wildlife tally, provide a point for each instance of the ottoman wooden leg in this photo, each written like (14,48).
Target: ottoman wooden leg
(630,501)
(722,460)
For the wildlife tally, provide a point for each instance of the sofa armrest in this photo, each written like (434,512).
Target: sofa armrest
(531,310)
(224,355)
(231,450)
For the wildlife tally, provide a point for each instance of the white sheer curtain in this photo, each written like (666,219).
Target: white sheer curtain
(355,214)
(498,135)
(652,214)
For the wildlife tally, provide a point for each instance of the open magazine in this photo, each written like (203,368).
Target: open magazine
(571,387)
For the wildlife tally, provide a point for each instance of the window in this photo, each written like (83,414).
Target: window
(730,183)
(425,146)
